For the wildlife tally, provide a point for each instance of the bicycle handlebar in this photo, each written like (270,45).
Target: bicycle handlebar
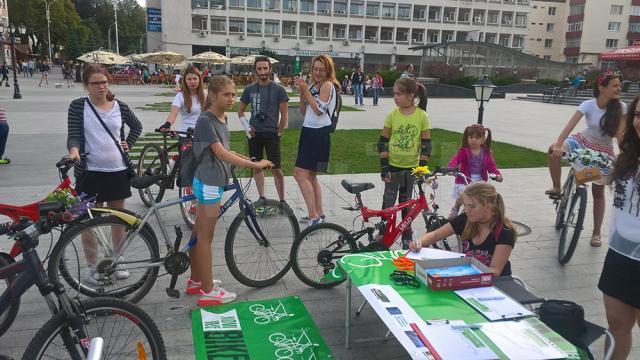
(174,133)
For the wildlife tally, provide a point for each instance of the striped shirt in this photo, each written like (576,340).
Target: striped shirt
(75,129)
(3,116)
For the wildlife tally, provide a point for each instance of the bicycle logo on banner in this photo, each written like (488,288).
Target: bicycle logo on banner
(264,316)
(288,348)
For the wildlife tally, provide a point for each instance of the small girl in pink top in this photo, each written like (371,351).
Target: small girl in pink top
(475,161)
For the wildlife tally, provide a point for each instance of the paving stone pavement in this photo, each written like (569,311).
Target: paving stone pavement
(38,136)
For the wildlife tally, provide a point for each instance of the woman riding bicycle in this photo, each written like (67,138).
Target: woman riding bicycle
(604,119)
(486,233)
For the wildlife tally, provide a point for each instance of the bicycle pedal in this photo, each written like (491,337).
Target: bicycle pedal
(173,293)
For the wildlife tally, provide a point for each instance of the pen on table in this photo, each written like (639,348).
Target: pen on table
(490,298)
(465,327)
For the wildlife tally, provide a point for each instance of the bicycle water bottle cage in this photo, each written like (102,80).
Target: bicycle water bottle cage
(356,188)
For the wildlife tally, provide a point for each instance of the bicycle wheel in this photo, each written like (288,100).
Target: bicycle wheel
(313,254)
(558,97)
(9,315)
(572,225)
(98,276)
(254,264)
(188,209)
(128,332)
(151,162)
(567,190)
(451,243)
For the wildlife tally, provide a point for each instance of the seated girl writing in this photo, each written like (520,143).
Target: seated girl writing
(486,233)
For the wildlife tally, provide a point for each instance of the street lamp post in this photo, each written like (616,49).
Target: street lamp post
(115,14)
(47,5)
(13,31)
(483,90)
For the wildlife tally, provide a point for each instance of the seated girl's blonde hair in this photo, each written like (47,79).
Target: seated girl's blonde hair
(486,194)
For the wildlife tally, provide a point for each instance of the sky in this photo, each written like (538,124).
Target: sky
(141,2)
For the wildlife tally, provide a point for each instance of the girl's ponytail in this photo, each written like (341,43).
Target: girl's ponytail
(487,141)
(422,95)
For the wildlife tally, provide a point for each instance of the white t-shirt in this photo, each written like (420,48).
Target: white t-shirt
(592,113)
(624,231)
(102,153)
(188,119)
(315,121)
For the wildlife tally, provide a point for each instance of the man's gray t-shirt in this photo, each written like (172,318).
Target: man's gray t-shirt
(274,94)
(209,130)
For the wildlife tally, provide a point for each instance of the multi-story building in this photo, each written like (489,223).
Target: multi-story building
(596,26)
(379,33)
(4,20)
(547,26)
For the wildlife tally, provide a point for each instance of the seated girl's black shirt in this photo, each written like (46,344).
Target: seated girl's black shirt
(484,252)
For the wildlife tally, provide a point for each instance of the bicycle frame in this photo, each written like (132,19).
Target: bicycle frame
(138,223)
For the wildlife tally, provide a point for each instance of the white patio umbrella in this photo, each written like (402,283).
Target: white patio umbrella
(210,57)
(104,57)
(249,60)
(163,57)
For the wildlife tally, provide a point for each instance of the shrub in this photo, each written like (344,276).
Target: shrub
(503,80)
(390,76)
(549,82)
(340,73)
(463,81)
(442,71)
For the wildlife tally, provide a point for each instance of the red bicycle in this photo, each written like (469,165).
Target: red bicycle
(34,210)
(316,249)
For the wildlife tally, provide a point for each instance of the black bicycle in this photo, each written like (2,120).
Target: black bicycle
(571,207)
(156,160)
(553,94)
(125,328)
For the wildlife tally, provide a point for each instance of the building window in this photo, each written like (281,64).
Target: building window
(289,5)
(611,43)
(577,9)
(324,7)
(402,35)
(548,43)
(434,38)
(340,8)
(575,26)
(634,27)
(306,6)
(355,32)
(552,11)
(386,34)
(254,26)
(272,4)
(635,10)
(373,9)
(550,27)
(271,28)
(404,12)
(218,24)
(521,20)
(236,3)
(547,57)
(573,43)
(289,28)
(616,9)
(199,4)
(614,26)
(254,4)
(388,11)
(356,8)
(518,42)
(236,26)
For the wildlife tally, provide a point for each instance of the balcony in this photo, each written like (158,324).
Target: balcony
(574,51)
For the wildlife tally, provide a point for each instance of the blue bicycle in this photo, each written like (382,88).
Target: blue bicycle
(116,254)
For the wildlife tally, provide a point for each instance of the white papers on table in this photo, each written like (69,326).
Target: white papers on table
(433,254)
(519,340)
(397,315)
(451,343)
(493,303)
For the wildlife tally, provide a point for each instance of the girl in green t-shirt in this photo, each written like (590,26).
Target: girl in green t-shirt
(404,144)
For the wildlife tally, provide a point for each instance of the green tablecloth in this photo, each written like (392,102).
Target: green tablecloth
(375,267)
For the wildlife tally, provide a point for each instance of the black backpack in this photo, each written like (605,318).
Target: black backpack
(567,319)
(336,111)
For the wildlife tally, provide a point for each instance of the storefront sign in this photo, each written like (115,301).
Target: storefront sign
(154,20)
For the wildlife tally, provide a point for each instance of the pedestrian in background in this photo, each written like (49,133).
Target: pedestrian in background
(4,134)
(4,71)
(357,84)
(408,72)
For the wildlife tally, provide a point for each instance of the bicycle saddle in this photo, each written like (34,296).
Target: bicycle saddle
(356,188)
(142,182)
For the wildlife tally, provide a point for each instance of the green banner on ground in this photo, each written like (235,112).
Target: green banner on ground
(275,329)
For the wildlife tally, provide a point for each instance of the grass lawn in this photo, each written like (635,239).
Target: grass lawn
(165,106)
(355,151)
(173,93)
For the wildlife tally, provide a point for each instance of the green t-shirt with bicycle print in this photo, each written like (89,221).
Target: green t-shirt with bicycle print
(404,143)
